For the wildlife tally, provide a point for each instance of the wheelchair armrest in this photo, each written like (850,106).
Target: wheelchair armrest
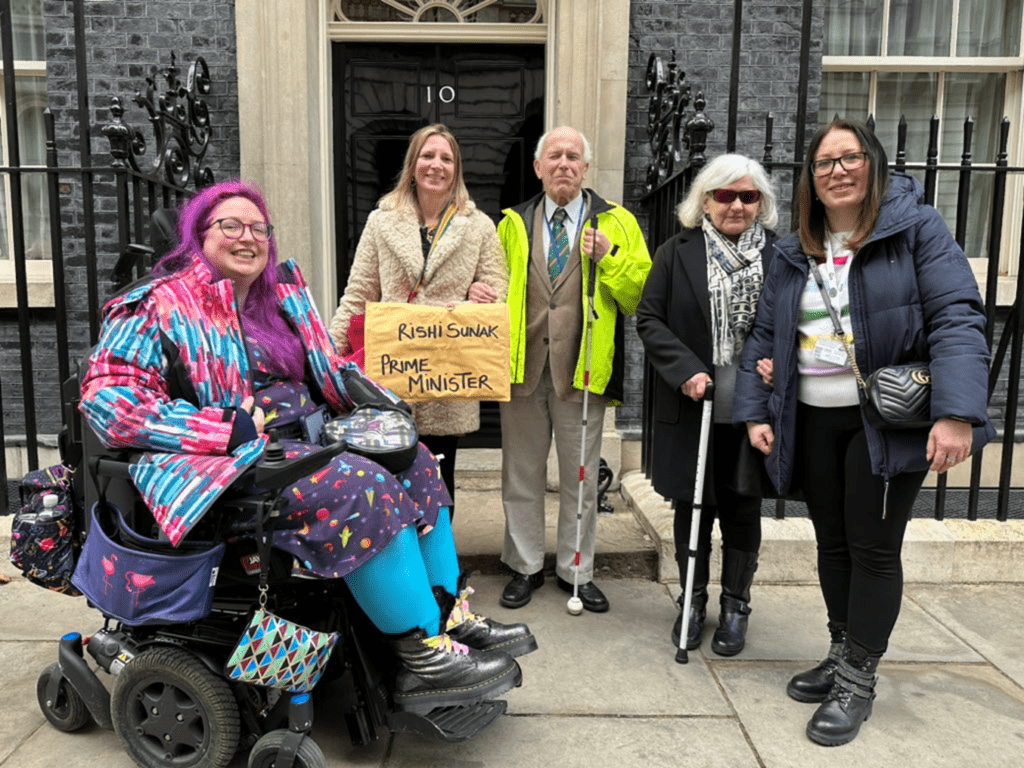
(274,471)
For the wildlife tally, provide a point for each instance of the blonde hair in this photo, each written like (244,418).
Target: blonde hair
(721,172)
(403,196)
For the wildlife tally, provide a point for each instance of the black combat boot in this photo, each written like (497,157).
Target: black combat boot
(438,672)
(813,685)
(838,719)
(698,601)
(480,632)
(737,575)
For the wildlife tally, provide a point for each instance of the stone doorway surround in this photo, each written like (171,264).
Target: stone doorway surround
(285,110)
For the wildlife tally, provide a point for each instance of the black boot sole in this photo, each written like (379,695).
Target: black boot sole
(423,702)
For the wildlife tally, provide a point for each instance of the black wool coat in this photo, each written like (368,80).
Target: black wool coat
(674,324)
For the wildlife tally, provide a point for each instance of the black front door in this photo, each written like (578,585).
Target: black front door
(491,97)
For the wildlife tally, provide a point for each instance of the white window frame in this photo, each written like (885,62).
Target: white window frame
(39,272)
(1013,108)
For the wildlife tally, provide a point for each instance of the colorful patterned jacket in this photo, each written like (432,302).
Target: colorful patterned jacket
(186,325)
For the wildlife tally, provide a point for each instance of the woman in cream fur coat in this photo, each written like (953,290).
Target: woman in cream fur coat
(465,264)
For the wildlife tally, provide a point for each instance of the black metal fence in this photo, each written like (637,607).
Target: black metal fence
(110,226)
(1003,330)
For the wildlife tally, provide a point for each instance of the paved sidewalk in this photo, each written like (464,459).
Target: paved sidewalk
(604,690)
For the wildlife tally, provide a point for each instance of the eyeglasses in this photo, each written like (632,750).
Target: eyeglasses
(233,229)
(726,196)
(850,162)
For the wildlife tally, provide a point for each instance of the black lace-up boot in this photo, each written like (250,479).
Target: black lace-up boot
(848,705)
(813,685)
(479,632)
(438,672)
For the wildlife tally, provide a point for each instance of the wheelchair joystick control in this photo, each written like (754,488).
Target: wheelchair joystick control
(274,453)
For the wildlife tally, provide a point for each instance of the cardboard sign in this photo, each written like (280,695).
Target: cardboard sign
(427,353)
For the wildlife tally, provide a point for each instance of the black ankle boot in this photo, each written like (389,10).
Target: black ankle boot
(437,672)
(480,632)
(698,614)
(737,575)
(848,705)
(813,685)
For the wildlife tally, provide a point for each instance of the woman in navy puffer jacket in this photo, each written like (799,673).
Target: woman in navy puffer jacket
(905,293)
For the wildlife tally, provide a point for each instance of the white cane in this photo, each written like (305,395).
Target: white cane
(575,605)
(698,499)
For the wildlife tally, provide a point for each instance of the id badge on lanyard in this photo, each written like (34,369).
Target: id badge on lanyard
(831,349)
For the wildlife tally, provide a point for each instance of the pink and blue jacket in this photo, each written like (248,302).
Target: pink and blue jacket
(127,397)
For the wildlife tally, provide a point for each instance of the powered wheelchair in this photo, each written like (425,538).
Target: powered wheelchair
(169,700)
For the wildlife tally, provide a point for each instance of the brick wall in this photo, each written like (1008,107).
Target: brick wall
(126,41)
(701,35)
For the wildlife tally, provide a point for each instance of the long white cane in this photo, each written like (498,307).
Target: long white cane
(698,500)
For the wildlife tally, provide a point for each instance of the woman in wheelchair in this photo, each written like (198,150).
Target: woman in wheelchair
(224,344)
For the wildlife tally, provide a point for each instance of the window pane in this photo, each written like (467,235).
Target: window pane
(853,28)
(920,27)
(980,96)
(27,29)
(32,143)
(906,94)
(502,11)
(844,94)
(989,28)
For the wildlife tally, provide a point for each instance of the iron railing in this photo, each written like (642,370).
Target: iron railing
(100,214)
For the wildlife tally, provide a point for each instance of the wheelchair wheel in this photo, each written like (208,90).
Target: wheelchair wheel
(68,711)
(264,752)
(169,709)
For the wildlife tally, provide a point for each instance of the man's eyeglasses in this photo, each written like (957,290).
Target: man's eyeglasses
(726,196)
(233,229)
(850,162)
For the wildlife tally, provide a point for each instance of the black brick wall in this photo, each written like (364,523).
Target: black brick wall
(700,34)
(126,41)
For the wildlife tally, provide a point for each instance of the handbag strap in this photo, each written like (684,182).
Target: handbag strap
(837,326)
(442,227)
(263,539)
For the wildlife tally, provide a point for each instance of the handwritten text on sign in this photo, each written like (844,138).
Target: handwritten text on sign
(434,353)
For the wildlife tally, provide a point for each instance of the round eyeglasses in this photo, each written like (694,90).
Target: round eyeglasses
(233,229)
(726,196)
(850,162)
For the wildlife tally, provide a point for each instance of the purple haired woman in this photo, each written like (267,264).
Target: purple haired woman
(225,343)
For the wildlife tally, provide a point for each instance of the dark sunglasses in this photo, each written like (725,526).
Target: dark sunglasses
(726,196)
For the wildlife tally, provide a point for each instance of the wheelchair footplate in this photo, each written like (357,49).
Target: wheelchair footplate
(450,723)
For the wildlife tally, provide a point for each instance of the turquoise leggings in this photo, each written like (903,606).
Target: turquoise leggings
(394,586)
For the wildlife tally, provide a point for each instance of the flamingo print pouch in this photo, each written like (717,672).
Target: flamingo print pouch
(143,581)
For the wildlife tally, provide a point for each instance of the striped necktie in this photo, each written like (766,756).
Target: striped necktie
(558,251)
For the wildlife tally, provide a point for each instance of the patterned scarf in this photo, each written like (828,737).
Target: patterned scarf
(735,275)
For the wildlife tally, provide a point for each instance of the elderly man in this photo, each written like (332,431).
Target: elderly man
(552,245)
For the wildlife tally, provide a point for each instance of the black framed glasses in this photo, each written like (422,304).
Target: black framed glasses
(850,162)
(233,229)
(726,196)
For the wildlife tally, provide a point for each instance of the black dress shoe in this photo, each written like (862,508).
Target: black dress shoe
(518,592)
(593,599)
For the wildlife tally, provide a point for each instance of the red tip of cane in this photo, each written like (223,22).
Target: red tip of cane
(577,559)
(583,473)
(586,378)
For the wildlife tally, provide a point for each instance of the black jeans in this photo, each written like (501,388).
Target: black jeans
(739,517)
(859,563)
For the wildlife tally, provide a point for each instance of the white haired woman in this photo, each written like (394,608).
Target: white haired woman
(697,309)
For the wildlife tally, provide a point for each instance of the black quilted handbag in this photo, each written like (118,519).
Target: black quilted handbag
(899,396)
